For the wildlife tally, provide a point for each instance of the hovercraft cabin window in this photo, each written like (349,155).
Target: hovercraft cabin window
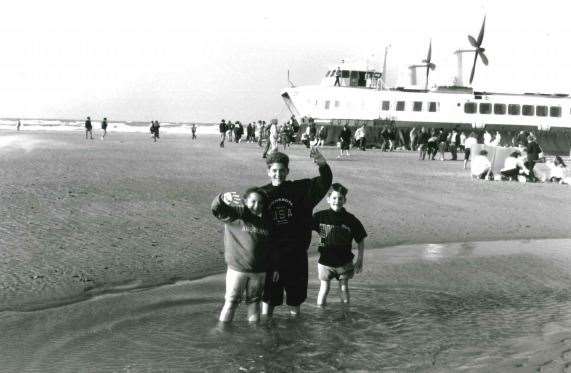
(400,105)
(386,105)
(541,111)
(432,106)
(555,111)
(514,109)
(499,109)
(527,110)
(327,103)
(469,108)
(485,108)
(417,106)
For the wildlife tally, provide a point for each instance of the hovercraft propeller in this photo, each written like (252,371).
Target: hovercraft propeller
(479,51)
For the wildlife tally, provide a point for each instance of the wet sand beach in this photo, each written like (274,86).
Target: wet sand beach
(80,218)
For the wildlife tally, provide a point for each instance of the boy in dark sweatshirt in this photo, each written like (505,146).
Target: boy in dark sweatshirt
(289,209)
(245,238)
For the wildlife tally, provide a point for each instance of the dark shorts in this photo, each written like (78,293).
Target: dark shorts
(467,154)
(292,280)
(344,145)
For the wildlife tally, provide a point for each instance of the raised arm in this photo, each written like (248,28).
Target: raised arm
(320,184)
(224,210)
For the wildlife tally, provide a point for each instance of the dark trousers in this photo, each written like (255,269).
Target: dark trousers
(453,151)
(266,149)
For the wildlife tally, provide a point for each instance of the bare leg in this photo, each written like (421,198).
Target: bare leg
(254,312)
(227,313)
(323,291)
(344,290)
(267,309)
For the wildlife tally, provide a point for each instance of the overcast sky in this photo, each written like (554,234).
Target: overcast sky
(206,60)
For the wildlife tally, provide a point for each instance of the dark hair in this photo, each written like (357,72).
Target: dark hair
(336,187)
(256,190)
(277,157)
(559,161)
(483,152)
(515,154)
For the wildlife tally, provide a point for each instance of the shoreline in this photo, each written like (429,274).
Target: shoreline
(83,218)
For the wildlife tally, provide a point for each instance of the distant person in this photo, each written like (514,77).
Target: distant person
(344,141)
(222,128)
(305,138)
(412,137)
(262,132)
(18,125)
(245,250)
(423,137)
(337,77)
(514,167)
(230,131)
(442,144)
(487,138)
(273,137)
(104,127)
(321,136)
(432,144)
(453,143)
(558,171)
(193,130)
(360,139)
(462,141)
(468,143)
(312,130)
(392,137)
(88,128)
(481,167)
(534,155)
(290,206)
(155,127)
(337,230)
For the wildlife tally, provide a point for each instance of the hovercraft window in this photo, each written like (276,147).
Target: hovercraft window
(327,103)
(345,73)
(432,107)
(541,111)
(386,105)
(527,110)
(500,109)
(469,108)
(555,111)
(485,108)
(400,105)
(514,109)
(417,106)
(336,103)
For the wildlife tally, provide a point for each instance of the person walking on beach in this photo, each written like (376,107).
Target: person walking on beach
(423,137)
(245,250)
(193,130)
(222,128)
(273,137)
(104,127)
(289,208)
(337,229)
(344,141)
(88,128)
(155,129)
(360,139)
(262,132)
(18,125)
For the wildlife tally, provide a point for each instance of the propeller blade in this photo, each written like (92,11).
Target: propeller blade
(483,57)
(427,72)
(473,41)
(432,66)
(429,52)
(481,36)
(473,67)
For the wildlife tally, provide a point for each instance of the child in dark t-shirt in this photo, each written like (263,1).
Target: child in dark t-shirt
(337,229)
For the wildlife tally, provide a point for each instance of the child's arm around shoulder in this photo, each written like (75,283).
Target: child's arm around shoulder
(223,209)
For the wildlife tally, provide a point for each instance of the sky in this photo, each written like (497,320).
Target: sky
(206,60)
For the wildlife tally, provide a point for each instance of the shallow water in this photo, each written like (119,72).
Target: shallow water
(487,306)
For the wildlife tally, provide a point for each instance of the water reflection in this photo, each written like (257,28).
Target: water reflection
(481,306)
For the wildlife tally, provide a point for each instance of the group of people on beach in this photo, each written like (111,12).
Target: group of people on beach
(89,128)
(268,232)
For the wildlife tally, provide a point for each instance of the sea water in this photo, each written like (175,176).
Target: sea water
(484,306)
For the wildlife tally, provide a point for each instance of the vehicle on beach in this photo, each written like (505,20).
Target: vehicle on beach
(362,97)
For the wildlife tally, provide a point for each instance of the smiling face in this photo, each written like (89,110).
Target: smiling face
(255,203)
(336,201)
(277,173)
